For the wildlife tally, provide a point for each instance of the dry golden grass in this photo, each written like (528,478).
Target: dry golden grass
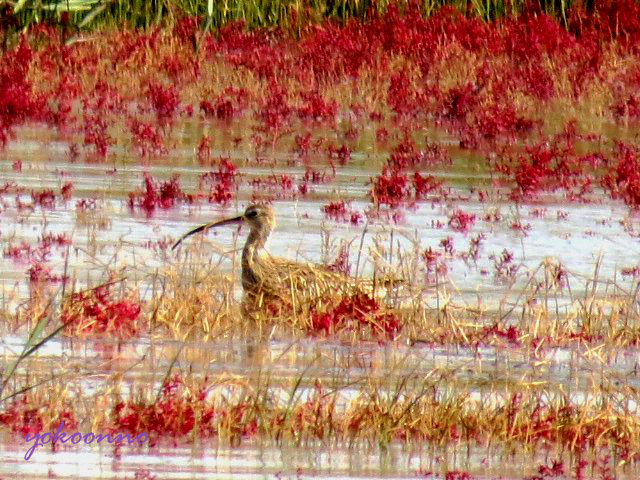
(438,406)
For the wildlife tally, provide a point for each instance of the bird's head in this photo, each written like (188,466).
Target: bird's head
(260,218)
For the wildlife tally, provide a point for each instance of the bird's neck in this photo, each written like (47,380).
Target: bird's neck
(251,254)
(256,241)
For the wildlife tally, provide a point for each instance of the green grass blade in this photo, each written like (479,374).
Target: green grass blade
(91,15)
(19,5)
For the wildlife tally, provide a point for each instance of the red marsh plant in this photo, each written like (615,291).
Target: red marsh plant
(394,187)
(67,92)
(66,191)
(341,211)
(95,133)
(436,261)
(165,101)
(147,138)
(275,112)
(329,51)
(17,252)
(425,185)
(45,198)
(450,475)
(436,265)
(628,108)
(402,96)
(24,251)
(511,334)
(613,19)
(631,271)
(221,185)
(97,107)
(176,412)
(143,474)
(406,155)
(458,102)
(341,263)
(342,154)
(519,65)
(551,164)
(30,416)
(315,108)
(623,178)
(496,120)
(255,50)
(353,313)
(226,106)
(47,240)
(180,410)
(302,145)
(545,472)
(523,228)
(18,101)
(504,268)
(460,221)
(40,273)
(159,194)
(203,150)
(447,246)
(391,188)
(276,187)
(99,312)
(186,28)
(313,176)
(315,415)
(473,253)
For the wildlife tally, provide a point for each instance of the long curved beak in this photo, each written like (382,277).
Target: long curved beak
(207,226)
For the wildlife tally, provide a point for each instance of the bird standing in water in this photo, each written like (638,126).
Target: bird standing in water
(269,280)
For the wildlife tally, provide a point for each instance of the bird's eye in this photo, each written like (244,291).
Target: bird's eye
(252,214)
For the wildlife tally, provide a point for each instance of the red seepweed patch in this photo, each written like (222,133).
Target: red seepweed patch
(355,312)
(96,311)
(180,410)
(222,184)
(165,101)
(45,198)
(18,101)
(147,138)
(175,413)
(27,417)
(159,194)
(230,104)
(623,178)
(39,273)
(461,221)
(390,188)
(342,212)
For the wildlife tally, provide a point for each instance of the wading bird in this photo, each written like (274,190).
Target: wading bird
(275,282)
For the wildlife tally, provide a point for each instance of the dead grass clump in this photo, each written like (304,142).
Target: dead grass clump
(195,303)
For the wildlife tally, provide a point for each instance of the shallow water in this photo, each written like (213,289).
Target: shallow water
(588,231)
(91,364)
(250,461)
(577,233)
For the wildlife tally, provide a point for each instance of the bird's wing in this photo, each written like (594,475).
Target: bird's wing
(317,280)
